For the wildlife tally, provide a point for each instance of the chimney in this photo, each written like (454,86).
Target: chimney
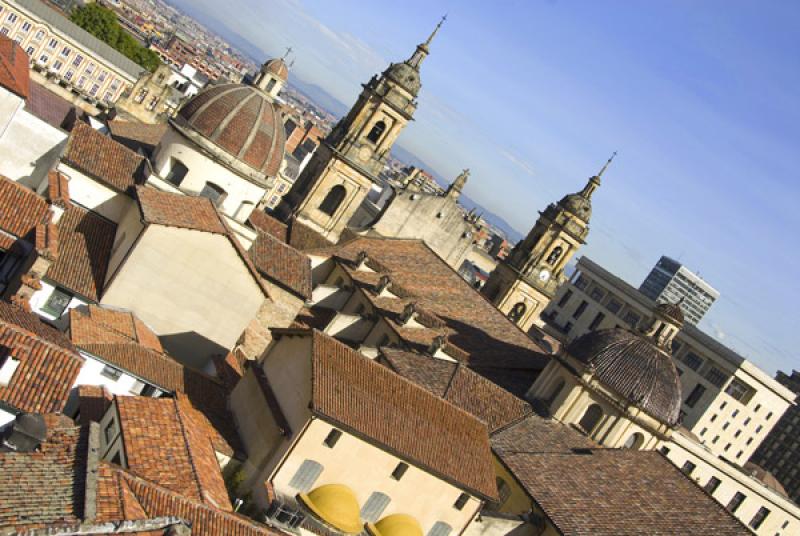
(25,434)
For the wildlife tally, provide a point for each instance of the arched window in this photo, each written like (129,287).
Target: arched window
(555,255)
(635,441)
(376,132)
(177,172)
(556,391)
(517,312)
(332,201)
(244,210)
(215,193)
(590,419)
(306,475)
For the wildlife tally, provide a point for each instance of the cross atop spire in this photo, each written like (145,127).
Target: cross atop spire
(423,48)
(433,33)
(286,54)
(605,166)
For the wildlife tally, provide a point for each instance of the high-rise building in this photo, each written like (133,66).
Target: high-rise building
(669,281)
(779,453)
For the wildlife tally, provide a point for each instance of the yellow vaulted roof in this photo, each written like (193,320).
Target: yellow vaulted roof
(395,525)
(336,505)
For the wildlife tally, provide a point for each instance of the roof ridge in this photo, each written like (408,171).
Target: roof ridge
(189,450)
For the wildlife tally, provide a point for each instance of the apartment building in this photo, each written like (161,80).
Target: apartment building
(65,53)
(671,282)
(729,404)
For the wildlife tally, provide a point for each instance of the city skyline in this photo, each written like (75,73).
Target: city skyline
(534,97)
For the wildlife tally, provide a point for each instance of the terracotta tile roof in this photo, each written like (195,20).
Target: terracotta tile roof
(303,237)
(282,264)
(85,242)
(372,401)
(136,135)
(121,495)
(48,363)
(316,318)
(58,188)
(165,445)
(14,69)
(21,210)
(490,341)
(103,159)
(190,212)
(45,487)
(630,492)
(207,394)
(460,386)
(536,434)
(261,221)
(125,323)
(49,107)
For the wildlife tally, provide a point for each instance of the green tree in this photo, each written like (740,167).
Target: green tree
(102,23)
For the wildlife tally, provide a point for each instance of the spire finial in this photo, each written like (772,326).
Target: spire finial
(433,33)
(286,54)
(605,166)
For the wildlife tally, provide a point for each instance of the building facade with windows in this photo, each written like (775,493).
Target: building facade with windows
(728,402)
(61,51)
(327,435)
(779,453)
(671,282)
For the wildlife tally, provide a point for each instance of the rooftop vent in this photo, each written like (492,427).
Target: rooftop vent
(25,434)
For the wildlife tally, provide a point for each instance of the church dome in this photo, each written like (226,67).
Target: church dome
(277,67)
(405,75)
(634,367)
(238,124)
(578,205)
(336,505)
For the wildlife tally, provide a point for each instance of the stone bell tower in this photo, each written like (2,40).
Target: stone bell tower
(347,163)
(522,285)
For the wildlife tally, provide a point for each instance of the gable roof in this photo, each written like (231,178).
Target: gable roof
(460,386)
(630,492)
(282,264)
(191,212)
(372,401)
(21,210)
(125,323)
(85,242)
(48,363)
(164,445)
(135,135)
(14,68)
(103,159)
(489,340)
(265,223)
(44,487)
(207,394)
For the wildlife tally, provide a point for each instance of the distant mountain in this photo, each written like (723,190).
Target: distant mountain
(320,97)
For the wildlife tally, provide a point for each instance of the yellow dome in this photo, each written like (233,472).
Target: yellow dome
(336,505)
(395,525)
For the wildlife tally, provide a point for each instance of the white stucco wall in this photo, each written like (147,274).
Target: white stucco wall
(28,146)
(191,287)
(40,297)
(92,374)
(95,195)
(203,169)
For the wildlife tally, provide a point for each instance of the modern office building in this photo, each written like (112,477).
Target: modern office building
(671,282)
(729,404)
(779,453)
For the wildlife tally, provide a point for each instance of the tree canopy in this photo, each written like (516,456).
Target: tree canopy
(102,23)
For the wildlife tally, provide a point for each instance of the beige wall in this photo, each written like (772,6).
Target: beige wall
(191,287)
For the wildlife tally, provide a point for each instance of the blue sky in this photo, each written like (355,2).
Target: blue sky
(699,98)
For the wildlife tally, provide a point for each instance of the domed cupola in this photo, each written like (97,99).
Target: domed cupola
(634,366)
(580,203)
(238,125)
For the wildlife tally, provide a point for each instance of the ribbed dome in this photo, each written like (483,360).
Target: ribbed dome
(242,121)
(336,505)
(634,367)
(277,67)
(395,525)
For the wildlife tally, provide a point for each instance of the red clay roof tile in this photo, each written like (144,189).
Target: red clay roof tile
(14,69)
